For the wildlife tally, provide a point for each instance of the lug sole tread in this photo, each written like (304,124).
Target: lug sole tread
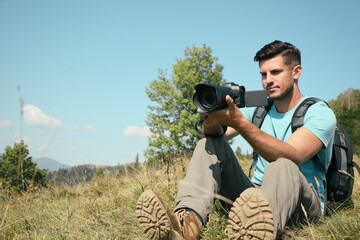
(251,217)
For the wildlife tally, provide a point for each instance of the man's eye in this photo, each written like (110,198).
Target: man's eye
(276,72)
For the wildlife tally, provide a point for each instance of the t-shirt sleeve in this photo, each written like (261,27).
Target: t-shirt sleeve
(321,121)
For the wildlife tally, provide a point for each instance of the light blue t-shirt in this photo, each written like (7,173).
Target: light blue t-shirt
(319,119)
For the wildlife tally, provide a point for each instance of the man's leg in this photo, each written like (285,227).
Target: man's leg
(214,171)
(287,189)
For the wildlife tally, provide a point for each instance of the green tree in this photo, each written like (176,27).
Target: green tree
(98,173)
(18,171)
(347,110)
(239,153)
(171,119)
(136,161)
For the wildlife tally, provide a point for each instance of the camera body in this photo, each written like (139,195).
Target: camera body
(209,98)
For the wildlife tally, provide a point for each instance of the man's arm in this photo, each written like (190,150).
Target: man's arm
(230,133)
(301,146)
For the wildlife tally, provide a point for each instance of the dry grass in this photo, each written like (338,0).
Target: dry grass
(104,209)
(101,209)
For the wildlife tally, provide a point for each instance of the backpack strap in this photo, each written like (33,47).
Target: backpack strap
(257,120)
(297,120)
(354,164)
(342,146)
(260,113)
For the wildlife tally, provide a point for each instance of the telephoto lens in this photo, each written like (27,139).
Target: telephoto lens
(209,98)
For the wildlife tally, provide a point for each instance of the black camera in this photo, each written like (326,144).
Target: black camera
(209,98)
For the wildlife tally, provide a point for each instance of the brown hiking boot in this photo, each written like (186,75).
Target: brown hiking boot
(158,222)
(251,217)
(190,224)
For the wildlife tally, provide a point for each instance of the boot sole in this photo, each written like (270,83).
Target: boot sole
(251,217)
(153,219)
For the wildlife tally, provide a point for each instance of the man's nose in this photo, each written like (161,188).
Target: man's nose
(268,79)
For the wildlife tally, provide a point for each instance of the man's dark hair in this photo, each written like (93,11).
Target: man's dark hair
(289,52)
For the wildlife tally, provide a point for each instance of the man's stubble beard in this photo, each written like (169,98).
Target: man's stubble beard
(285,94)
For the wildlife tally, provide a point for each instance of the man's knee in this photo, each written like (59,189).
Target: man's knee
(282,166)
(210,140)
(201,143)
(284,163)
(211,144)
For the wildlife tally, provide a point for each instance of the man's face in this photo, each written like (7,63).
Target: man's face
(277,78)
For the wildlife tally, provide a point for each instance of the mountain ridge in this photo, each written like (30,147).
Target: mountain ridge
(49,164)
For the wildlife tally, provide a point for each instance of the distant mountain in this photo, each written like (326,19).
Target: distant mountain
(49,164)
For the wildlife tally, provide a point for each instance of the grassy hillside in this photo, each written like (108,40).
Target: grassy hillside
(104,209)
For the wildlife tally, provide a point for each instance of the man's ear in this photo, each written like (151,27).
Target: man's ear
(296,71)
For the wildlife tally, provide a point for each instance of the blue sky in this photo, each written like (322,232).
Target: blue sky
(83,66)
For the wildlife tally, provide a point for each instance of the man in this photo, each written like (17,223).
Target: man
(286,185)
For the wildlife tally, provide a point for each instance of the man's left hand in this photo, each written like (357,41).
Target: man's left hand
(229,116)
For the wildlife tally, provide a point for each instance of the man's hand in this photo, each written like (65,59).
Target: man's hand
(225,117)
(229,116)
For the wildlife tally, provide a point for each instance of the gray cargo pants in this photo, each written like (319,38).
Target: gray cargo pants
(214,170)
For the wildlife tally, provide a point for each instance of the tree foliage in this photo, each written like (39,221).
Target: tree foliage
(17,170)
(347,110)
(81,173)
(136,165)
(239,153)
(171,119)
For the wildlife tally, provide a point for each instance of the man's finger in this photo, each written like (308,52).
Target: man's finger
(229,100)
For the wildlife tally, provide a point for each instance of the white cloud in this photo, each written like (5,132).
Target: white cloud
(43,149)
(91,128)
(5,124)
(135,131)
(34,117)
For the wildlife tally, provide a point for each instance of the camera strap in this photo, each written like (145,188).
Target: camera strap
(200,121)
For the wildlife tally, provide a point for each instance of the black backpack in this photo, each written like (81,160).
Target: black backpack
(339,181)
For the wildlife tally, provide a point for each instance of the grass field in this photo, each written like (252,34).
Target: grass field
(105,209)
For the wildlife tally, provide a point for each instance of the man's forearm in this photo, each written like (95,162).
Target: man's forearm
(230,133)
(266,145)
